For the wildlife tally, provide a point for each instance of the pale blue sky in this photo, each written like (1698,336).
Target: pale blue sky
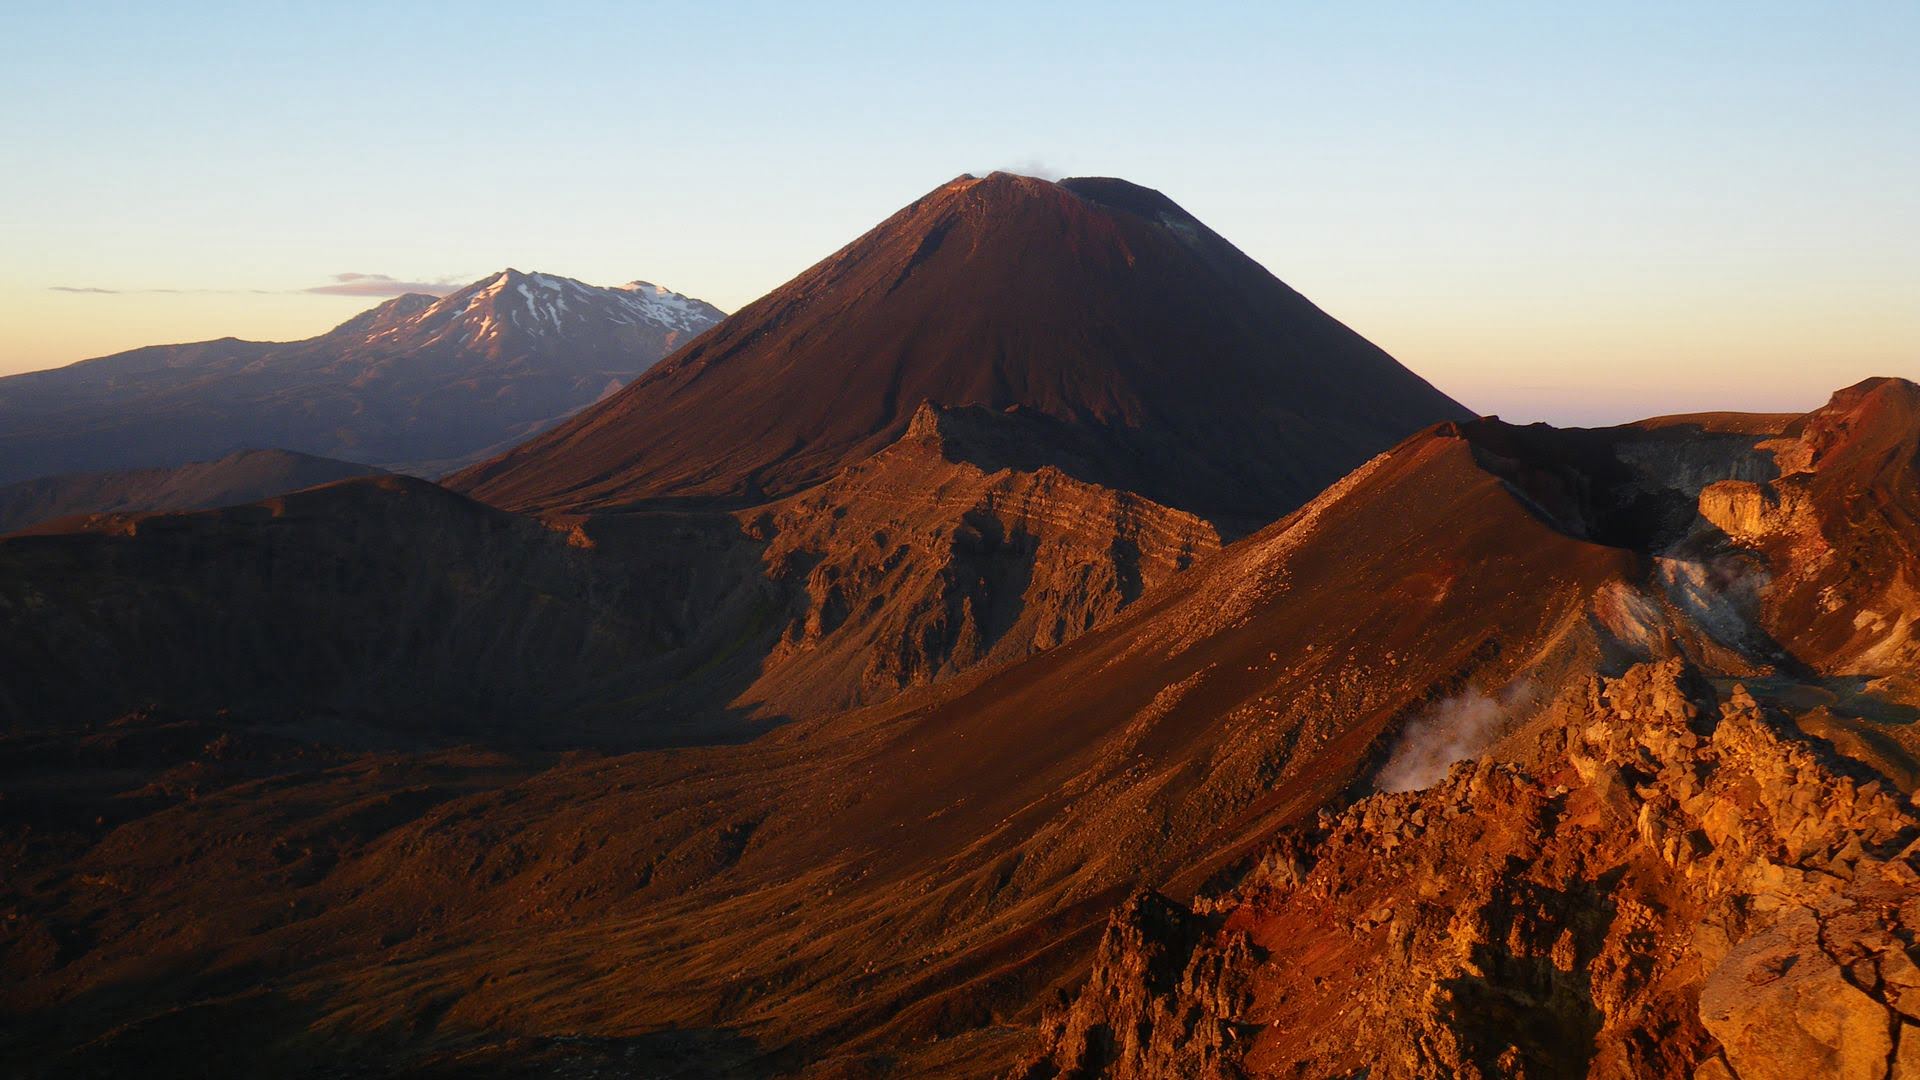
(1577,213)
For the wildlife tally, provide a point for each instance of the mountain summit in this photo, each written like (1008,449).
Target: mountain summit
(1193,375)
(417,383)
(547,314)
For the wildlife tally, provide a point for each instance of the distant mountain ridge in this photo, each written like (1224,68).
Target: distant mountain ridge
(418,384)
(241,477)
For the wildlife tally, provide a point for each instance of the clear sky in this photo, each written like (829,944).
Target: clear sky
(1579,213)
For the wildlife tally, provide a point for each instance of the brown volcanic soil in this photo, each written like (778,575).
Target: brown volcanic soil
(402,605)
(386,599)
(861,883)
(1646,880)
(904,888)
(936,556)
(1205,383)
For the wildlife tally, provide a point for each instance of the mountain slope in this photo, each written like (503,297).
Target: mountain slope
(935,556)
(939,885)
(1204,383)
(417,383)
(1651,879)
(961,545)
(379,604)
(971,835)
(240,477)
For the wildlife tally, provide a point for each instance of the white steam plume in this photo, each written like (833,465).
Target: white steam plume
(1035,168)
(1452,730)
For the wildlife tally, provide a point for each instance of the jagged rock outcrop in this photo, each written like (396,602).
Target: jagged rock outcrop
(1646,881)
(1835,531)
(961,545)
(1154,1006)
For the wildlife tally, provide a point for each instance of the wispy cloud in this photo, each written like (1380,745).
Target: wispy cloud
(350,284)
(133,292)
(382,285)
(1035,168)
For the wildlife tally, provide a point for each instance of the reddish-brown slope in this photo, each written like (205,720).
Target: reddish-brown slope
(388,601)
(946,551)
(1206,383)
(928,867)
(842,891)
(400,604)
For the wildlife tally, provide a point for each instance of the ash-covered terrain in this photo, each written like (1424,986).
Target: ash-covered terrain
(1032,643)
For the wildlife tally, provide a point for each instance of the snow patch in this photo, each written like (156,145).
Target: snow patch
(663,306)
(550,301)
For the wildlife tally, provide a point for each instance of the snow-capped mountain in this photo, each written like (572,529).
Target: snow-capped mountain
(418,383)
(548,314)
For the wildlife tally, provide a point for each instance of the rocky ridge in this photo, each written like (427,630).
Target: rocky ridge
(1648,880)
(241,477)
(951,549)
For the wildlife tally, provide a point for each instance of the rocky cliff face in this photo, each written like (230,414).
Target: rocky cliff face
(950,550)
(379,603)
(1745,510)
(1649,880)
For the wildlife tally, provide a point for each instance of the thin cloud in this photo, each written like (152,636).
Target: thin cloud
(95,290)
(380,285)
(352,284)
(1035,168)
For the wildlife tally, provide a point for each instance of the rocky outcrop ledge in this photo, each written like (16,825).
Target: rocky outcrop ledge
(1649,880)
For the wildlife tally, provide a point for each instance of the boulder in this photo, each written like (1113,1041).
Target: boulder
(1783,1010)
